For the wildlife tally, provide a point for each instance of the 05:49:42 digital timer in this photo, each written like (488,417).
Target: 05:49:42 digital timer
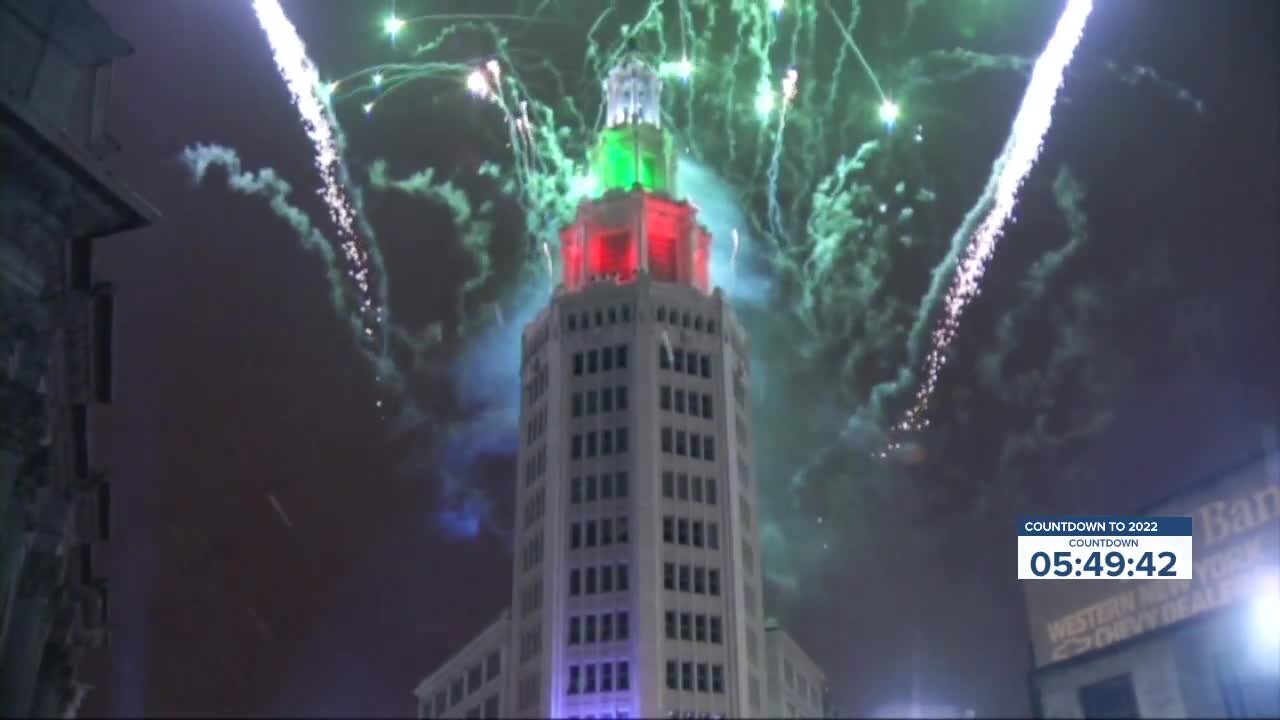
(1098,564)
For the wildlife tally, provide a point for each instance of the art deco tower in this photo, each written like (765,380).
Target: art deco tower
(636,582)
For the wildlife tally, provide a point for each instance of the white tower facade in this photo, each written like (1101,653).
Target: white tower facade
(637,587)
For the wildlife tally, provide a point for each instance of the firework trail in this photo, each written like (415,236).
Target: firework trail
(309,96)
(1019,156)
(788,96)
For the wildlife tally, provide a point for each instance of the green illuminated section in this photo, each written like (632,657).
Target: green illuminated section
(630,155)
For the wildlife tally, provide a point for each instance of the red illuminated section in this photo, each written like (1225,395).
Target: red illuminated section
(616,237)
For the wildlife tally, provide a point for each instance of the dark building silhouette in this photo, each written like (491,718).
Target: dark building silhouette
(56,198)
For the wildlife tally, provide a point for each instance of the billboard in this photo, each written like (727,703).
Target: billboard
(1236,540)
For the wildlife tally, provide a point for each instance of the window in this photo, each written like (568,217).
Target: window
(685,320)
(606,443)
(575,451)
(684,578)
(713,582)
(664,358)
(711,491)
(591,402)
(686,626)
(473,712)
(670,621)
(577,363)
(620,484)
(686,676)
(708,447)
(455,692)
(668,529)
(575,536)
(669,576)
(679,401)
(695,446)
(682,486)
(590,534)
(681,443)
(664,397)
(624,625)
(699,580)
(606,486)
(620,525)
(589,629)
(672,677)
(574,673)
(575,490)
(606,677)
(626,313)
(713,536)
(682,531)
(744,509)
(711,326)
(591,488)
(695,489)
(590,583)
(697,323)
(706,366)
(700,627)
(696,533)
(666,440)
(702,677)
(668,484)
(441,705)
(606,359)
(577,404)
(691,365)
(606,627)
(599,317)
(717,679)
(623,440)
(624,678)
(624,581)
(575,581)
(620,395)
(606,400)
(677,360)
(606,531)
(621,354)
(589,679)
(1110,698)
(491,706)
(715,630)
(575,630)
(593,362)
(706,407)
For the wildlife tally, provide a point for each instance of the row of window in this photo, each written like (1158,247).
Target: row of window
(535,466)
(612,530)
(683,531)
(688,444)
(605,627)
(599,677)
(590,362)
(680,486)
(536,387)
(488,710)
(607,487)
(531,553)
(535,507)
(604,442)
(536,427)
(690,362)
(699,677)
(695,627)
(604,400)
(690,403)
(582,319)
(531,597)
(691,578)
(603,579)
(686,321)
(530,642)
(476,676)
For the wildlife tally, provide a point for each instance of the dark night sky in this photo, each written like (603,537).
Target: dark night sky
(235,383)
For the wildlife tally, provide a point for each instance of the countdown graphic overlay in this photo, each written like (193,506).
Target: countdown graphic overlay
(1104,548)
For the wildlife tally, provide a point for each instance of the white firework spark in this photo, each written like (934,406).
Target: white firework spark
(1021,151)
(308,95)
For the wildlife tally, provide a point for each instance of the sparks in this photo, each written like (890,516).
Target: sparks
(764,100)
(392,25)
(789,82)
(478,84)
(889,111)
(1021,151)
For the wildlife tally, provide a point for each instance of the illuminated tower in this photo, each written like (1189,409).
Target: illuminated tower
(636,581)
